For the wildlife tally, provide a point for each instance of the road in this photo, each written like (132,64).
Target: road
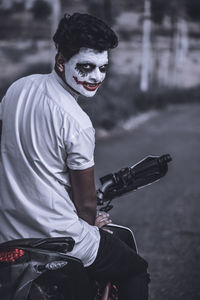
(165,216)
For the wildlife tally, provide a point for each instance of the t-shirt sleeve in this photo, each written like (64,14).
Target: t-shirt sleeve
(1,108)
(80,152)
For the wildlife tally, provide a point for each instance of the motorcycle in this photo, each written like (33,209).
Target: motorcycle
(42,269)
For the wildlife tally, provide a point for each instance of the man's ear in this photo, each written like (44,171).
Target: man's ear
(59,62)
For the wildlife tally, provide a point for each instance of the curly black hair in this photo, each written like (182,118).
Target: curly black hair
(83,30)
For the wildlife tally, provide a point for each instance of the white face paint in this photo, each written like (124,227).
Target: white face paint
(86,70)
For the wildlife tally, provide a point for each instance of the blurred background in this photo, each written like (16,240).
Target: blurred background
(149,104)
(156,63)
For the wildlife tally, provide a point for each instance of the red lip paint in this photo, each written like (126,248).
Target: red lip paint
(88,86)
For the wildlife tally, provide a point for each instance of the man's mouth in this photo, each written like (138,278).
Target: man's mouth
(87,85)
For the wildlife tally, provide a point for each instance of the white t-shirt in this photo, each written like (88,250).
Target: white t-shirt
(44,133)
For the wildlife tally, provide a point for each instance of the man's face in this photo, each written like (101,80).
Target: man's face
(86,70)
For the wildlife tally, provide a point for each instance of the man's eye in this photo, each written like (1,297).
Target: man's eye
(87,67)
(103,69)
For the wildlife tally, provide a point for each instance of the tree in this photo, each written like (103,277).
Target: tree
(176,11)
(41,9)
(158,10)
(107,10)
(193,9)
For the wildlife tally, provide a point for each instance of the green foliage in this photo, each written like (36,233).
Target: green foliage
(39,68)
(174,8)
(18,7)
(161,97)
(193,9)
(136,5)
(121,99)
(41,10)
(158,10)
(106,10)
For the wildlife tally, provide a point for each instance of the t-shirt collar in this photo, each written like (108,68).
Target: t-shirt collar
(74,94)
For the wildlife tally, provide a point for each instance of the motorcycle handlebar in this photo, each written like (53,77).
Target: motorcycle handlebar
(145,172)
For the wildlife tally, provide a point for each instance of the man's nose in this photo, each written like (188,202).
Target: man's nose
(96,75)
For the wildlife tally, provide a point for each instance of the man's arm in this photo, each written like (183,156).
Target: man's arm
(84,193)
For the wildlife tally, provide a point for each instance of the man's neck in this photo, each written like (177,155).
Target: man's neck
(66,86)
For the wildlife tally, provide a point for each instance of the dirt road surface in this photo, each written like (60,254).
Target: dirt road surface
(165,216)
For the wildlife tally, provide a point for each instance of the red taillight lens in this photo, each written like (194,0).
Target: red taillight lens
(11,255)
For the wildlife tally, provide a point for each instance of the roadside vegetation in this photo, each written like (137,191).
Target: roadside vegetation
(155,65)
(121,99)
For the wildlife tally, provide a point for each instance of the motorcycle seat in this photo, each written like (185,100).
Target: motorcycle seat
(58,244)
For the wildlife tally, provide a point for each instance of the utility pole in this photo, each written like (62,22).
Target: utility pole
(146,43)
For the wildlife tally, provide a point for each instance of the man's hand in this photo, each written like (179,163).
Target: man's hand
(102,219)
(84,193)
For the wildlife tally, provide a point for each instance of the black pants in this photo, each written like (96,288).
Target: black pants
(120,264)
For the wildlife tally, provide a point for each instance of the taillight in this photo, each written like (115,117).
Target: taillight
(11,255)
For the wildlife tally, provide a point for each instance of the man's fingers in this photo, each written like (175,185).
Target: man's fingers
(102,216)
(102,220)
(106,221)
(102,213)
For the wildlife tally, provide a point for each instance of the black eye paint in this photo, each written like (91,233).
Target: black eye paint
(103,68)
(84,69)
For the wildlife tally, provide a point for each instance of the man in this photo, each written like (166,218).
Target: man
(47,167)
